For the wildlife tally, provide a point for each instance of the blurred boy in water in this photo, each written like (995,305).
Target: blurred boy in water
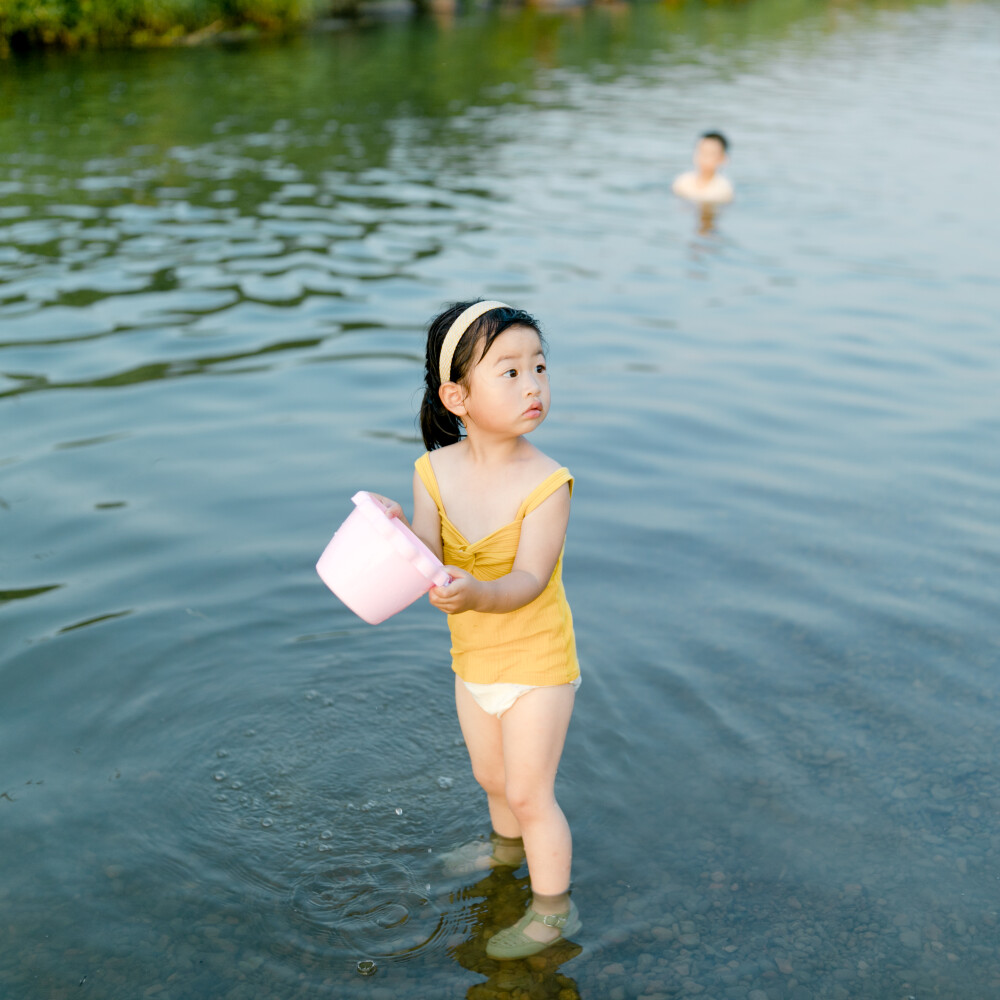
(705,184)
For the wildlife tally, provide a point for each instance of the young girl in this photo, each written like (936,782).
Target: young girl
(495,510)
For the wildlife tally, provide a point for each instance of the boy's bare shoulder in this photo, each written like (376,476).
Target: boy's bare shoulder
(683,183)
(722,188)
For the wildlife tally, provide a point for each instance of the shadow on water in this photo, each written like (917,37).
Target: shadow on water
(215,267)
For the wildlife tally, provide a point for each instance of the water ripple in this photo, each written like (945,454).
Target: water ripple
(375,908)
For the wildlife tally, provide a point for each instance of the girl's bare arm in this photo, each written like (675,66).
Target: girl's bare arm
(426,519)
(543,533)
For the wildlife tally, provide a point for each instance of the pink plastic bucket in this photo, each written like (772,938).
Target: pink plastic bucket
(376,565)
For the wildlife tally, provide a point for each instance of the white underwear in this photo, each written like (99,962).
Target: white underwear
(495,699)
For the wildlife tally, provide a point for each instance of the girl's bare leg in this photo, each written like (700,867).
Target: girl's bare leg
(533,732)
(484,739)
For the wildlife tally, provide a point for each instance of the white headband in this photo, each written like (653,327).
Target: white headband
(455,331)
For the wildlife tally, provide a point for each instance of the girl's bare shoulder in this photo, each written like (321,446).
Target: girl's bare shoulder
(449,457)
(537,467)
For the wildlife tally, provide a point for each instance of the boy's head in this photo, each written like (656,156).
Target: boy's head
(710,153)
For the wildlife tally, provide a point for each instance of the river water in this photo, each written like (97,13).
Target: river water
(215,271)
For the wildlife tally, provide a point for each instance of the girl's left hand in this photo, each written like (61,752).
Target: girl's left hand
(459,595)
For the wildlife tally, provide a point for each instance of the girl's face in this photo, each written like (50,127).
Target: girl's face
(508,390)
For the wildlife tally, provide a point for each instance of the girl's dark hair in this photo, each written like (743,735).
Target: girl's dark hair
(438,425)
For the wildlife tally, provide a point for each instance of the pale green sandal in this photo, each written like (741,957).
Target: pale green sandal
(514,943)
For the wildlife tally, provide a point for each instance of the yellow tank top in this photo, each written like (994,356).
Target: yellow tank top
(532,645)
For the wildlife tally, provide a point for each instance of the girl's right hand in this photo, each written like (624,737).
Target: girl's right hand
(462,594)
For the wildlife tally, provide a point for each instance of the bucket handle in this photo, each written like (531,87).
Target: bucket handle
(377,516)
(419,561)
(439,576)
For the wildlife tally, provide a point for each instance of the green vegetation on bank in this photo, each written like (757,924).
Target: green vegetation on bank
(26,24)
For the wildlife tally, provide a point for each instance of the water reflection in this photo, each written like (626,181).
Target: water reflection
(707,215)
(96,620)
(20,595)
(497,901)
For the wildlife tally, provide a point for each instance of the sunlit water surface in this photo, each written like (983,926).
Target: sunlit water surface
(215,269)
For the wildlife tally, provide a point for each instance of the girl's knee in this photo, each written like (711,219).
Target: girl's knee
(490,779)
(528,803)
